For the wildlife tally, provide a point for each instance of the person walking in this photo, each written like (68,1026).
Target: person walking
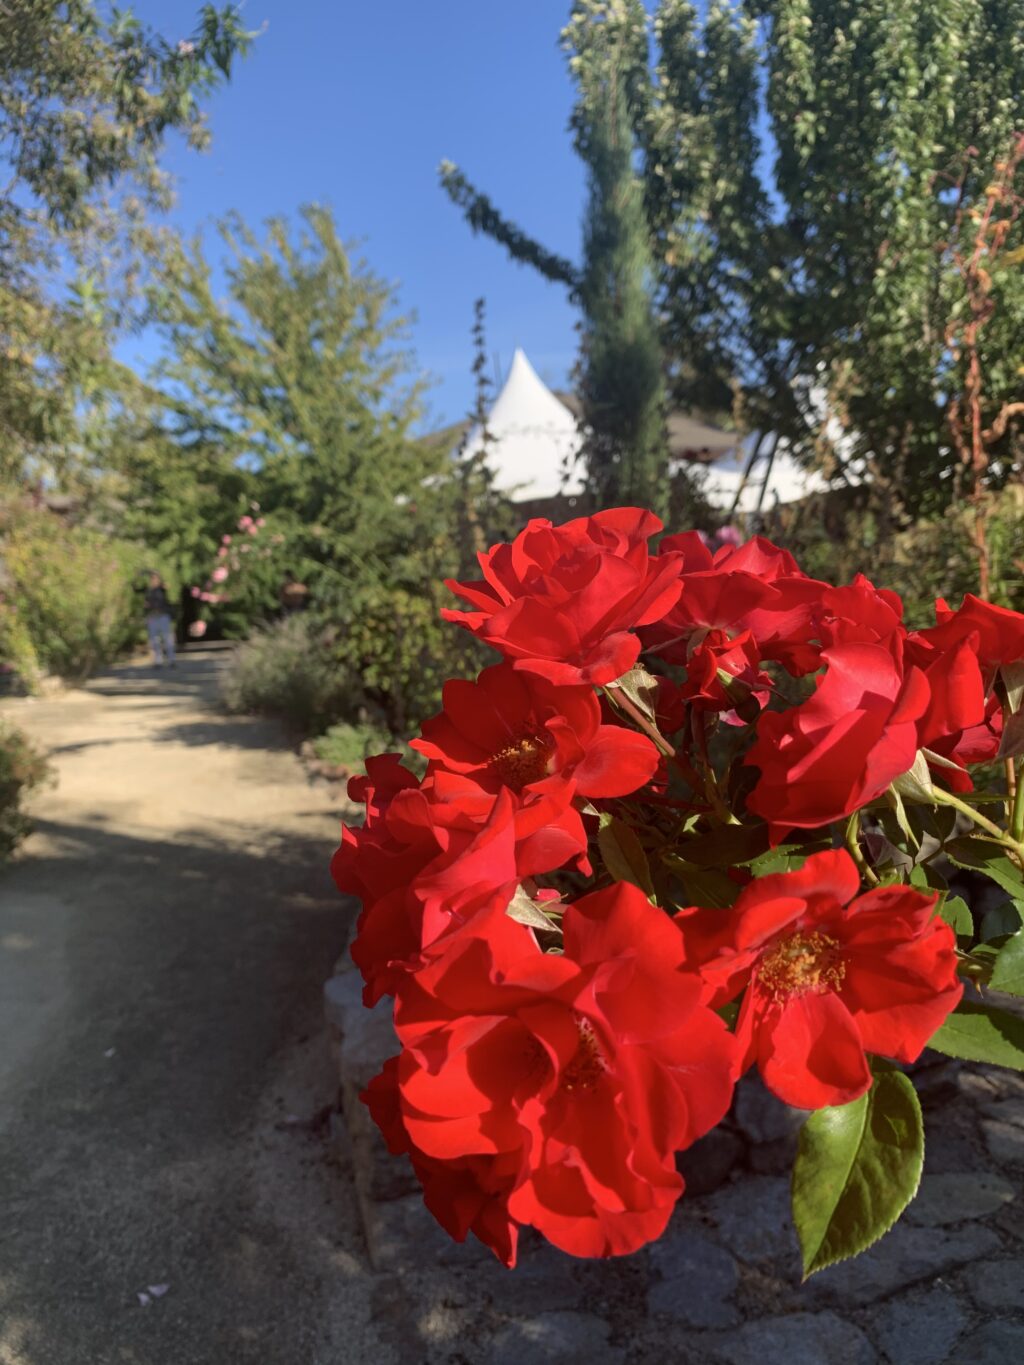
(158,622)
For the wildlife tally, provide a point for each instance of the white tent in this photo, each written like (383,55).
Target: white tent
(770,480)
(533,440)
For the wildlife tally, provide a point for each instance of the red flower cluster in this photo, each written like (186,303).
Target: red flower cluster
(558,1049)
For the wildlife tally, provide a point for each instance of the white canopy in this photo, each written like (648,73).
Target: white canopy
(787,480)
(534,442)
(533,439)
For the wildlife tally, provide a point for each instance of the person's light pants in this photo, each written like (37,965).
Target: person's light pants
(161,638)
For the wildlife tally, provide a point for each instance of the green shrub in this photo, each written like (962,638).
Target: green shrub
(286,671)
(73,592)
(345,745)
(21,769)
(397,652)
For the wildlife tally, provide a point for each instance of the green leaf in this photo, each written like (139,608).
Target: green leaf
(785,858)
(986,858)
(1004,920)
(982,1033)
(857,1169)
(957,914)
(895,800)
(1008,972)
(623,854)
(707,886)
(725,846)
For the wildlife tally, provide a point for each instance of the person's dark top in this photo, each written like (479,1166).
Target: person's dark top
(157,603)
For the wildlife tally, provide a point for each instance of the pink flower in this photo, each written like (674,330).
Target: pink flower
(225,540)
(219,574)
(194,592)
(222,552)
(244,523)
(197,630)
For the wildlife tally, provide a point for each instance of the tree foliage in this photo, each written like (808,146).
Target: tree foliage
(623,387)
(87,96)
(804,163)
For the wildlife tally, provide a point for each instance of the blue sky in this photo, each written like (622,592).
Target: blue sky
(354,105)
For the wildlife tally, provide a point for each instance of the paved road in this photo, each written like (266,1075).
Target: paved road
(163,940)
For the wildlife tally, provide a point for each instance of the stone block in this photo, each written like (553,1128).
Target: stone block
(760,1116)
(699,1279)
(1005,1141)
(796,1339)
(998,1285)
(996,1343)
(565,1338)
(710,1161)
(905,1256)
(958,1196)
(920,1329)
(752,1218)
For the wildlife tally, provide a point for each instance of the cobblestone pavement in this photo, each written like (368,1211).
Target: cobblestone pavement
(723,1284)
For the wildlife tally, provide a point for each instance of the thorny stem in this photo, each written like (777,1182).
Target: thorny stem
(945,798)
(711,788)
(619,699)
(856,852)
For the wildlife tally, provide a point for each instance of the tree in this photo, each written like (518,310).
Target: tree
(87,96)
(625,447)
(301,377)
(804,163)
(298,384)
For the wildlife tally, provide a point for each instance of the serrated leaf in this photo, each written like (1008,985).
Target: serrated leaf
(957,914)
(1008,972)
(895,800)
(1004,920)
(706,886)
(641,688)
(781,859)
(981,1033)
(725,846)
(524,910)
(986,858)
(623,854)
(857,1168)
(925,878)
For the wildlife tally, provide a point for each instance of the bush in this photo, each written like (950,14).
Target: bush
(286,671)
(347,746)
(72,591)
(21,769)
(393,645)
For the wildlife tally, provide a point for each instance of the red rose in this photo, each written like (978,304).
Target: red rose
(753,596)
(581,1072)
(563,601)
(465,1194)
(959,724)
(515,730)
(843,746)
(829,976)
(998,632)
(421,869)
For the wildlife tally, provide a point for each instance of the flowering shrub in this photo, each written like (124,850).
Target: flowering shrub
(699,819)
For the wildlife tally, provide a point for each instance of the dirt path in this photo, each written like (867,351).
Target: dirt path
(164,936)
